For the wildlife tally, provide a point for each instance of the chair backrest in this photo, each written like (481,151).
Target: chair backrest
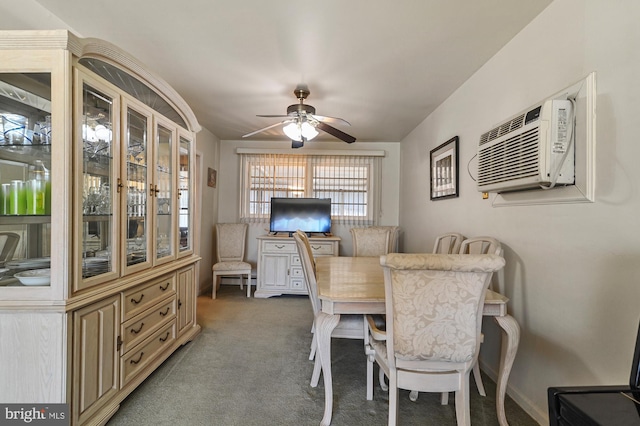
(434,305)
(370,241)
(448,243)
(481,245)
(394,235)
(230,241)
(308,268)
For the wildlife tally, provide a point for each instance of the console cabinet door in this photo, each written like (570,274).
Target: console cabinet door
(95,351)
(275,271)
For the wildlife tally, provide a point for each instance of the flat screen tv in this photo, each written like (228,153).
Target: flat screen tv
(310,215)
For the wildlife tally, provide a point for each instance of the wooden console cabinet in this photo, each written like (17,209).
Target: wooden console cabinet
(279,267)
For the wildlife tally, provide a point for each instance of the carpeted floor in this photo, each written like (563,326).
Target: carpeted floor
(250,366)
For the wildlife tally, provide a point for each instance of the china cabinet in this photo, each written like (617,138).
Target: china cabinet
(97,266)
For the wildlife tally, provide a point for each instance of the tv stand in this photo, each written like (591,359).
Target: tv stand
(279,266)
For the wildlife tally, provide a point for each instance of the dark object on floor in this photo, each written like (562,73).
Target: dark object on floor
(598,405)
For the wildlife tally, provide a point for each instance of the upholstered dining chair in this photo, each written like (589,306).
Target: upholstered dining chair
(433,305)
(370,241)
(394,236)
(349,327)
(230,247)
(448,243)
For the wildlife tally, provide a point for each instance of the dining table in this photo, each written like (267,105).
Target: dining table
(355,285)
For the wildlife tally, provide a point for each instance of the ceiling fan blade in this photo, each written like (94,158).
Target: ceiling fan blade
(266,128)
(327,119)
(273,115)
(335,132)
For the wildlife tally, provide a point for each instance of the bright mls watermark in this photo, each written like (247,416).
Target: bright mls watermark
(34,414)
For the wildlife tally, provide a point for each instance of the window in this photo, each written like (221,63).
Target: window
(351,181)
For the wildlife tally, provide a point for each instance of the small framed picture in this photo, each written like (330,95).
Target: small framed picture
(444,170)
(212,177)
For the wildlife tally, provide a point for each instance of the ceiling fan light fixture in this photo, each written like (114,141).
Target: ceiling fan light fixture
(297,131)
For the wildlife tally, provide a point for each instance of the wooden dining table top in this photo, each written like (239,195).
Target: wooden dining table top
(356,285)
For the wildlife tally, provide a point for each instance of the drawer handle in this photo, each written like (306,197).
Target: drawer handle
(138,360)
(164,339)
(279,246)
(162,314)
(316,247)
(135,302)
(138,330)
(165,287)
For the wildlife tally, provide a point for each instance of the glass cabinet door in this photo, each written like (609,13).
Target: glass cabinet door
(98,234)
(185,197)
(164,194)
(137,132)
(25,179)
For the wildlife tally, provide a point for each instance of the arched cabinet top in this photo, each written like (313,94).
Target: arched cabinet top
(101,50)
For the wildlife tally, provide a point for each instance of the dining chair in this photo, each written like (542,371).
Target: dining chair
(349,326)
(394,236)
(448,243)
(370,241)
(230,249)
(433,306)
(481,245)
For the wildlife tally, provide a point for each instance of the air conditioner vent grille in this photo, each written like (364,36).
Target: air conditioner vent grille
(502,130)
(512,159)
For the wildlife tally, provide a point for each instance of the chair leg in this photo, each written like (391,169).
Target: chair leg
(248,285)
(312,353)
(478,378)
(383,385)
(215,286)
(317,368)
(393,401)
(444,398)
(463,413)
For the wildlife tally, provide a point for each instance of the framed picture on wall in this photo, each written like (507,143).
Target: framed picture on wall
(212,177)
(444,170)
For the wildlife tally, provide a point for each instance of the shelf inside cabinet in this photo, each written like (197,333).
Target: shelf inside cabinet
(24,154)
(25,219)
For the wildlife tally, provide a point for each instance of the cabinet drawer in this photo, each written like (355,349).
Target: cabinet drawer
(321,249)
(145,295)
(140,327)
(279,247)
(297,273)
(298,285)
(136,360)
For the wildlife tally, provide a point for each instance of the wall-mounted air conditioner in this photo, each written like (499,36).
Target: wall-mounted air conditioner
(533,149)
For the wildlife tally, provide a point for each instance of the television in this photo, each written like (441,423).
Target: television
(306,214)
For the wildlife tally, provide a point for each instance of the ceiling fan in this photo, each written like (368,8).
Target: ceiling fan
(301,123)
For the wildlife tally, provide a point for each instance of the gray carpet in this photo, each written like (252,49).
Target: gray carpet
(250,366)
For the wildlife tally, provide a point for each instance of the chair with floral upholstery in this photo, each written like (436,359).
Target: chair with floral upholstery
(433,319)
(394,236)
(370,241)
(230,246)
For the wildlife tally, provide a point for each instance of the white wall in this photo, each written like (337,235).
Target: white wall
(573,271)
(229,201)
(207,148)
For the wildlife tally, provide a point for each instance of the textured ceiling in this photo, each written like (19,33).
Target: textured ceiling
(382,65)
